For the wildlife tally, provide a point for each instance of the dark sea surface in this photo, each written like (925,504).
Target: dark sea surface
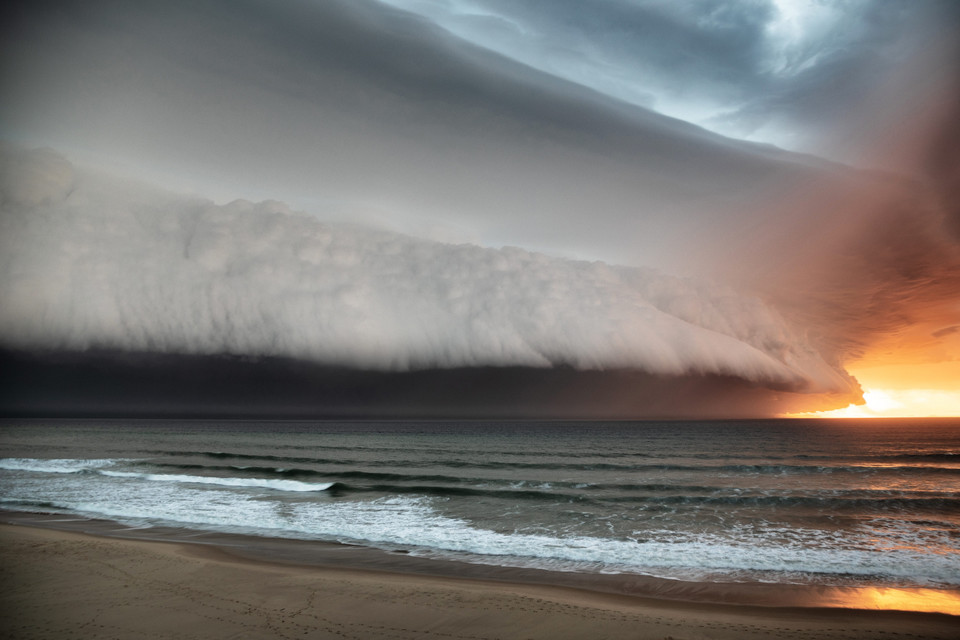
(843,503)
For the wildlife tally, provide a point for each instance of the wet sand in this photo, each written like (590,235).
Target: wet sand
(62,584)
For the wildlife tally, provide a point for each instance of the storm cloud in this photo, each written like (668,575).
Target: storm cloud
(359,108)
(780,71)
(87,264)
(355,187)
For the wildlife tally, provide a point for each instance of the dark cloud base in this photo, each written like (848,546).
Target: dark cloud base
(112,384)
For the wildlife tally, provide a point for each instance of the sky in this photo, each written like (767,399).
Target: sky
(619,208)
(784,72)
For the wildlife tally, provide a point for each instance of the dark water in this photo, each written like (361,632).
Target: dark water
(804,502)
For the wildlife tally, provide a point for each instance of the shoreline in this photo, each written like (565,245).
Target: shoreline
(62,583)
(315,554)
(292,552)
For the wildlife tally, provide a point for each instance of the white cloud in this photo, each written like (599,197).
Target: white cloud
(33,178)
(126,267)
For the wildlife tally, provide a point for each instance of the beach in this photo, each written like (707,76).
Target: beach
(191,529)
(62,584)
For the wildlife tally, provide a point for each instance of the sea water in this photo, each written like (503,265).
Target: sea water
(782,501)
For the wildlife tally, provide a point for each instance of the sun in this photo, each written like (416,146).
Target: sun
(896,403)
(879,401)
(901,390)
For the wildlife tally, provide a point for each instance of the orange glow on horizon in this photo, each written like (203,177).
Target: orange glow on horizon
(894,403)
(916,390)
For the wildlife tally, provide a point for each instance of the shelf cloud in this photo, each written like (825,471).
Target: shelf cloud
(92,263)
(410,188)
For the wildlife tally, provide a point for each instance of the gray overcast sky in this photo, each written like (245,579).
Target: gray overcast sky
(368,112)
(787,72)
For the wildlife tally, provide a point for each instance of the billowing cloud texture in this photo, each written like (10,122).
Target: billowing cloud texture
(89,263)
(414,186)
(789,72)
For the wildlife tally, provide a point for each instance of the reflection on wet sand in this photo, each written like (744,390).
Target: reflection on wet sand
(920,600)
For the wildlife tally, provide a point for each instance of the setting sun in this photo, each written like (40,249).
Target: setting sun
(894,403)
(907,390)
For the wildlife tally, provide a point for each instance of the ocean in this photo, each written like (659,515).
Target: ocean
(792,502)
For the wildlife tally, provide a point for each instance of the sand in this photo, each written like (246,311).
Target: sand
(61,584)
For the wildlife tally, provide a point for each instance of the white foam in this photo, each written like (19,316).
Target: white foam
(277,485)
(412,523)
(926,556)
(60,465)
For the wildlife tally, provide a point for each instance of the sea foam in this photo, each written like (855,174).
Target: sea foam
(276,485)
